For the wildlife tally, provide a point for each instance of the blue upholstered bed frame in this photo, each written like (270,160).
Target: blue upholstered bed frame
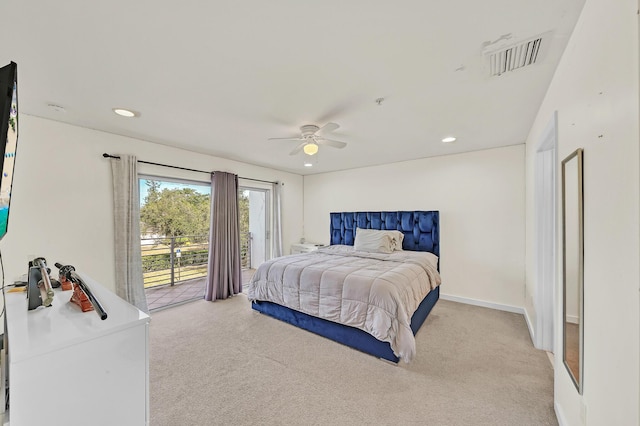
(421,233)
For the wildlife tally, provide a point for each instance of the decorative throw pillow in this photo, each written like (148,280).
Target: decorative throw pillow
(397,238)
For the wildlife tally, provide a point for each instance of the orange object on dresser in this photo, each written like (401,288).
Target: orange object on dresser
(65,284)
(79,298)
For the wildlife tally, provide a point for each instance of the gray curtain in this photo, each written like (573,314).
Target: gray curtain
(277,220)
(126,214)
(224,272)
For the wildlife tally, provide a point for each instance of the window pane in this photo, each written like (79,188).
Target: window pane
(174,223)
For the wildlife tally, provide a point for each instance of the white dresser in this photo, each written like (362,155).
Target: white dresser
(68,367)
(304,248)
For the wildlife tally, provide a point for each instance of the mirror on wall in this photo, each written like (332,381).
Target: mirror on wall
(573,266)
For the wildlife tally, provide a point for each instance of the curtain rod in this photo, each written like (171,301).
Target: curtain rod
(105,155)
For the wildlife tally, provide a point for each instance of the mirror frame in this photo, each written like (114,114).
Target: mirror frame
(577,156)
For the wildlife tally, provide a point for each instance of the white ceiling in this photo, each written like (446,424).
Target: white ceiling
(221,77)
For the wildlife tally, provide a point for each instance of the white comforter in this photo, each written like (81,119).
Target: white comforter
(377,293)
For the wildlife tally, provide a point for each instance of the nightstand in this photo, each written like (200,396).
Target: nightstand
(304,248)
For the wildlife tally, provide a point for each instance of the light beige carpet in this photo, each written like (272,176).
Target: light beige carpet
(222,363)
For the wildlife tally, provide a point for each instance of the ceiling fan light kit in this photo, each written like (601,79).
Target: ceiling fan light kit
(311,148)
(311,136)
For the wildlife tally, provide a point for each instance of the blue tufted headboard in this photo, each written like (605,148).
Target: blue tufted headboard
(420,228)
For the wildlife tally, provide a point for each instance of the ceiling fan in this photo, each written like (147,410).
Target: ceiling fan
(312,136)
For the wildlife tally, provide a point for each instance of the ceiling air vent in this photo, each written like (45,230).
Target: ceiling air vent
(515,56)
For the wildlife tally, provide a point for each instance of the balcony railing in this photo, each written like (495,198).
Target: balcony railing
(170,260)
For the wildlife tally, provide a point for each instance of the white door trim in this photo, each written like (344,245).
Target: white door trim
(545,236)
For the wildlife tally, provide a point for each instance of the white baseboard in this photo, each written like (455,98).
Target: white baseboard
(483,303)
(559,415)
(552,359)
(532,332)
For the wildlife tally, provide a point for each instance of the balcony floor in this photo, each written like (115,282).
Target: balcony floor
(166,295)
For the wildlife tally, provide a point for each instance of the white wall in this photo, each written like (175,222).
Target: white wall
(595,91)
(62,205)
(480,196)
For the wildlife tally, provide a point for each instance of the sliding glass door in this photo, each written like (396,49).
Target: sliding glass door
(255,228)
(174,226)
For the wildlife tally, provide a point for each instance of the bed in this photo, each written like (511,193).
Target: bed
(307,283)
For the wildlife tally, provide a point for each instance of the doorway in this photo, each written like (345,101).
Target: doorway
(545,234)
(255,228)
(174,225)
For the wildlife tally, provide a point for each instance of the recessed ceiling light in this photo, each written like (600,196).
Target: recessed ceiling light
(308,164)
(126,112)
(449,139)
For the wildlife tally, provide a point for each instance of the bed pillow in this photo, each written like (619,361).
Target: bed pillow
(373,241)
(397,238)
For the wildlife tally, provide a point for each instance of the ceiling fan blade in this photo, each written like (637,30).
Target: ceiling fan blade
(331,142)
(285,139)
(341,109)
(298,148)
(329,127)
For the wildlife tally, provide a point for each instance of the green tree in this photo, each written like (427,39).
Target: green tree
(183,212)
(153,192)
(175,212)
(243,213)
